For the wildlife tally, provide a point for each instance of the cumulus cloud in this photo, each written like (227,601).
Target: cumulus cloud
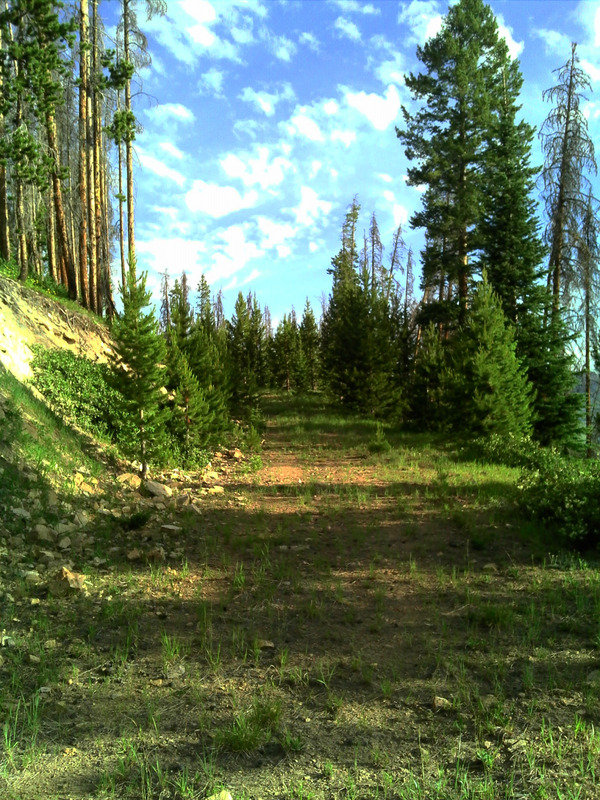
(233,249)
(282,47)
(156,166)
(171,252)
(169,114)
(258,168)
(345,137)
(267,101)
(303,125)
(310,207)
(355,7)
(212,82)
(555,43)
(347,29)
(218,201)
(172,150)
(506,32)
(423,18)
(276,235)
(380,111)
(310,40)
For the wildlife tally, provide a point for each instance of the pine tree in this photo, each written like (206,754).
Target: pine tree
(491,393)
(447,137)
(139,351)
(428,396)
(192,416)
(244,381)
(310,340)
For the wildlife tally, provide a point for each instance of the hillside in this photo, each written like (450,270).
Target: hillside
(28,318)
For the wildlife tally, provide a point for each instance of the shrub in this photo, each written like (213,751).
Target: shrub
(78,390)
(565,492)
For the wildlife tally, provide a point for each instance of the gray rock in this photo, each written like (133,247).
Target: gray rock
(158,489)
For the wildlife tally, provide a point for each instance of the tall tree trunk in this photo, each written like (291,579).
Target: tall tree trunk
(4,233)
(53,268)
(128,141)
(63,240)
(83,165)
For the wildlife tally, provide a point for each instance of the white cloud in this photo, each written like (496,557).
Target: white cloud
(555,43)
(267,101)
(313,247)
(310,207)
(506,32)
(385,178)
(158,168)
(282,47)
(315,168)
(400,214)
(347,29)
(310,40)
(257,169)
(276,235)
(212,82)
(302,125)
(218,201)
(200,10)
(251,277)
(172,150)
(592,71)
(380,111)
(173,253)
(232,251)
(345,137)
(170,113)
(423,18)
(356,7)
(330,107)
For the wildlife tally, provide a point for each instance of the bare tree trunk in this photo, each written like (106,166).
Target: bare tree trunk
(128,142)
(4,233)
(63,240)
(53,268)
(83,166)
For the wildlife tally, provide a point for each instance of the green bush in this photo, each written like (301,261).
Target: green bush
(565,493)
(513,451)
(78,390)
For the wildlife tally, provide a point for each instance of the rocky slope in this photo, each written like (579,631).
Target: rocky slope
(28,318)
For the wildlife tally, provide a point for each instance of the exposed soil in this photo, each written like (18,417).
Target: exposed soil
(332,625)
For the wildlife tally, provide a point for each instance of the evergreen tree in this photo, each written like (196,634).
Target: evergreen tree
(428,396)
(309,340)
(491,393)
(461,89)
(244,383)
(192,416)
(139,351)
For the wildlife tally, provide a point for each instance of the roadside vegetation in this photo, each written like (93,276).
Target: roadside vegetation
(361,613)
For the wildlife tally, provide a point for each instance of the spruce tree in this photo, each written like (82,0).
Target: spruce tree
(139,351)
(490,390)
(309,339)
(192,416)
(461,89)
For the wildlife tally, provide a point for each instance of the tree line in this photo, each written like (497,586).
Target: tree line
(506,303)
(66,143)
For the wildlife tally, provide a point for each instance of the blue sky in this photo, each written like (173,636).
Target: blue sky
(262,119)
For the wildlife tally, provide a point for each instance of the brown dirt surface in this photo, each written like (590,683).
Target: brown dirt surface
(335,624)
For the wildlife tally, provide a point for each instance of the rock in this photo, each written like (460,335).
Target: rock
(134,555)
(32,577)
(237,454)
(65,527)
(51,498)
(441,704)
(44,533)
(223,795)
(66,582)
(157,554)
(593,679)
(172,528)
(490,567)
(265,644)
(22,513)
(210,477)
(130,479)
(82,518)
(216,490)
(64,543)
(158,489)
(175,671)
(7,641)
